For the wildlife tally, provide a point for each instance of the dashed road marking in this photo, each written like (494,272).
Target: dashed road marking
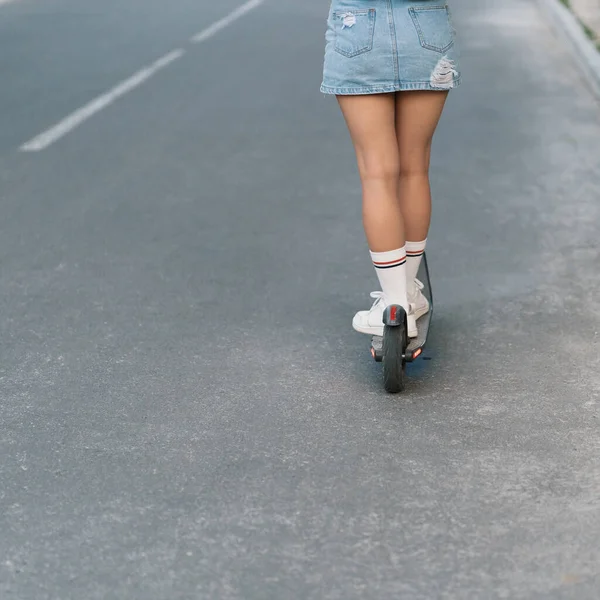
(42,141)
(80,116)
(225,22)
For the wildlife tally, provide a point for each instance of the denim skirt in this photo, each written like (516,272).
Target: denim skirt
(382,46)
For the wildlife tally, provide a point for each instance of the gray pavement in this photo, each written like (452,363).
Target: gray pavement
(186,412)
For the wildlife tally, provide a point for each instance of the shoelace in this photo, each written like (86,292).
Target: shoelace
(378,296)
(420,286)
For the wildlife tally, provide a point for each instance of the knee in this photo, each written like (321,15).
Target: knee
(415,162)
(413,170)
(379,169)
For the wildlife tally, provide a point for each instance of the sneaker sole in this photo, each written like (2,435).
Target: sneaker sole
(378,330)
(368,329)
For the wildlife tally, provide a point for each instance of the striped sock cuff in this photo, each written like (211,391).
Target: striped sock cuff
(389,260)
(415,249)
(415,253)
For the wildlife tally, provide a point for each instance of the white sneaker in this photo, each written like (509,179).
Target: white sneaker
(418,306)
(371,321)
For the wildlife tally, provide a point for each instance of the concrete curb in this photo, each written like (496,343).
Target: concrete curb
(568,27)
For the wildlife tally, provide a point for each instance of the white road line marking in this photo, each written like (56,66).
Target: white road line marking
(67,125)
(226,21)
(5,2)
(42,141)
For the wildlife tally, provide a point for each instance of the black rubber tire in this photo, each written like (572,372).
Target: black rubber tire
(394,346)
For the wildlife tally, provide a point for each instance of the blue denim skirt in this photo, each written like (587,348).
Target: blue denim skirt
(382,46)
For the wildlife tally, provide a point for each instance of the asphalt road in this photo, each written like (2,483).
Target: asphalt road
(185,409)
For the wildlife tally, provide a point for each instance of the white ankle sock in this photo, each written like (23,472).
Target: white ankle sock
(391,271)
(414,255)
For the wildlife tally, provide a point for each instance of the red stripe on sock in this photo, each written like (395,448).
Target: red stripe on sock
(391,262)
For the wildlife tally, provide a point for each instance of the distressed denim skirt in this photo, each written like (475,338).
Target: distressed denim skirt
(382,46)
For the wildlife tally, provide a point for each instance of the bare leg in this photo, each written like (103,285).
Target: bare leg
(417,116)
(371,121)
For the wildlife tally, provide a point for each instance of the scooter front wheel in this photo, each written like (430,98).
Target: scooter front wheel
(395,342)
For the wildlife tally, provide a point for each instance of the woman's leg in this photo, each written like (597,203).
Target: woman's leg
(417,116)
(371,120)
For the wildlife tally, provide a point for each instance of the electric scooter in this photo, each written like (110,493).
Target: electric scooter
(395,349)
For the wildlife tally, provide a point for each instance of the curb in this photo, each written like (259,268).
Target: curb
(565,23)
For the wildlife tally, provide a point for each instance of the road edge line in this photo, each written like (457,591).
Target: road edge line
(568,27)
